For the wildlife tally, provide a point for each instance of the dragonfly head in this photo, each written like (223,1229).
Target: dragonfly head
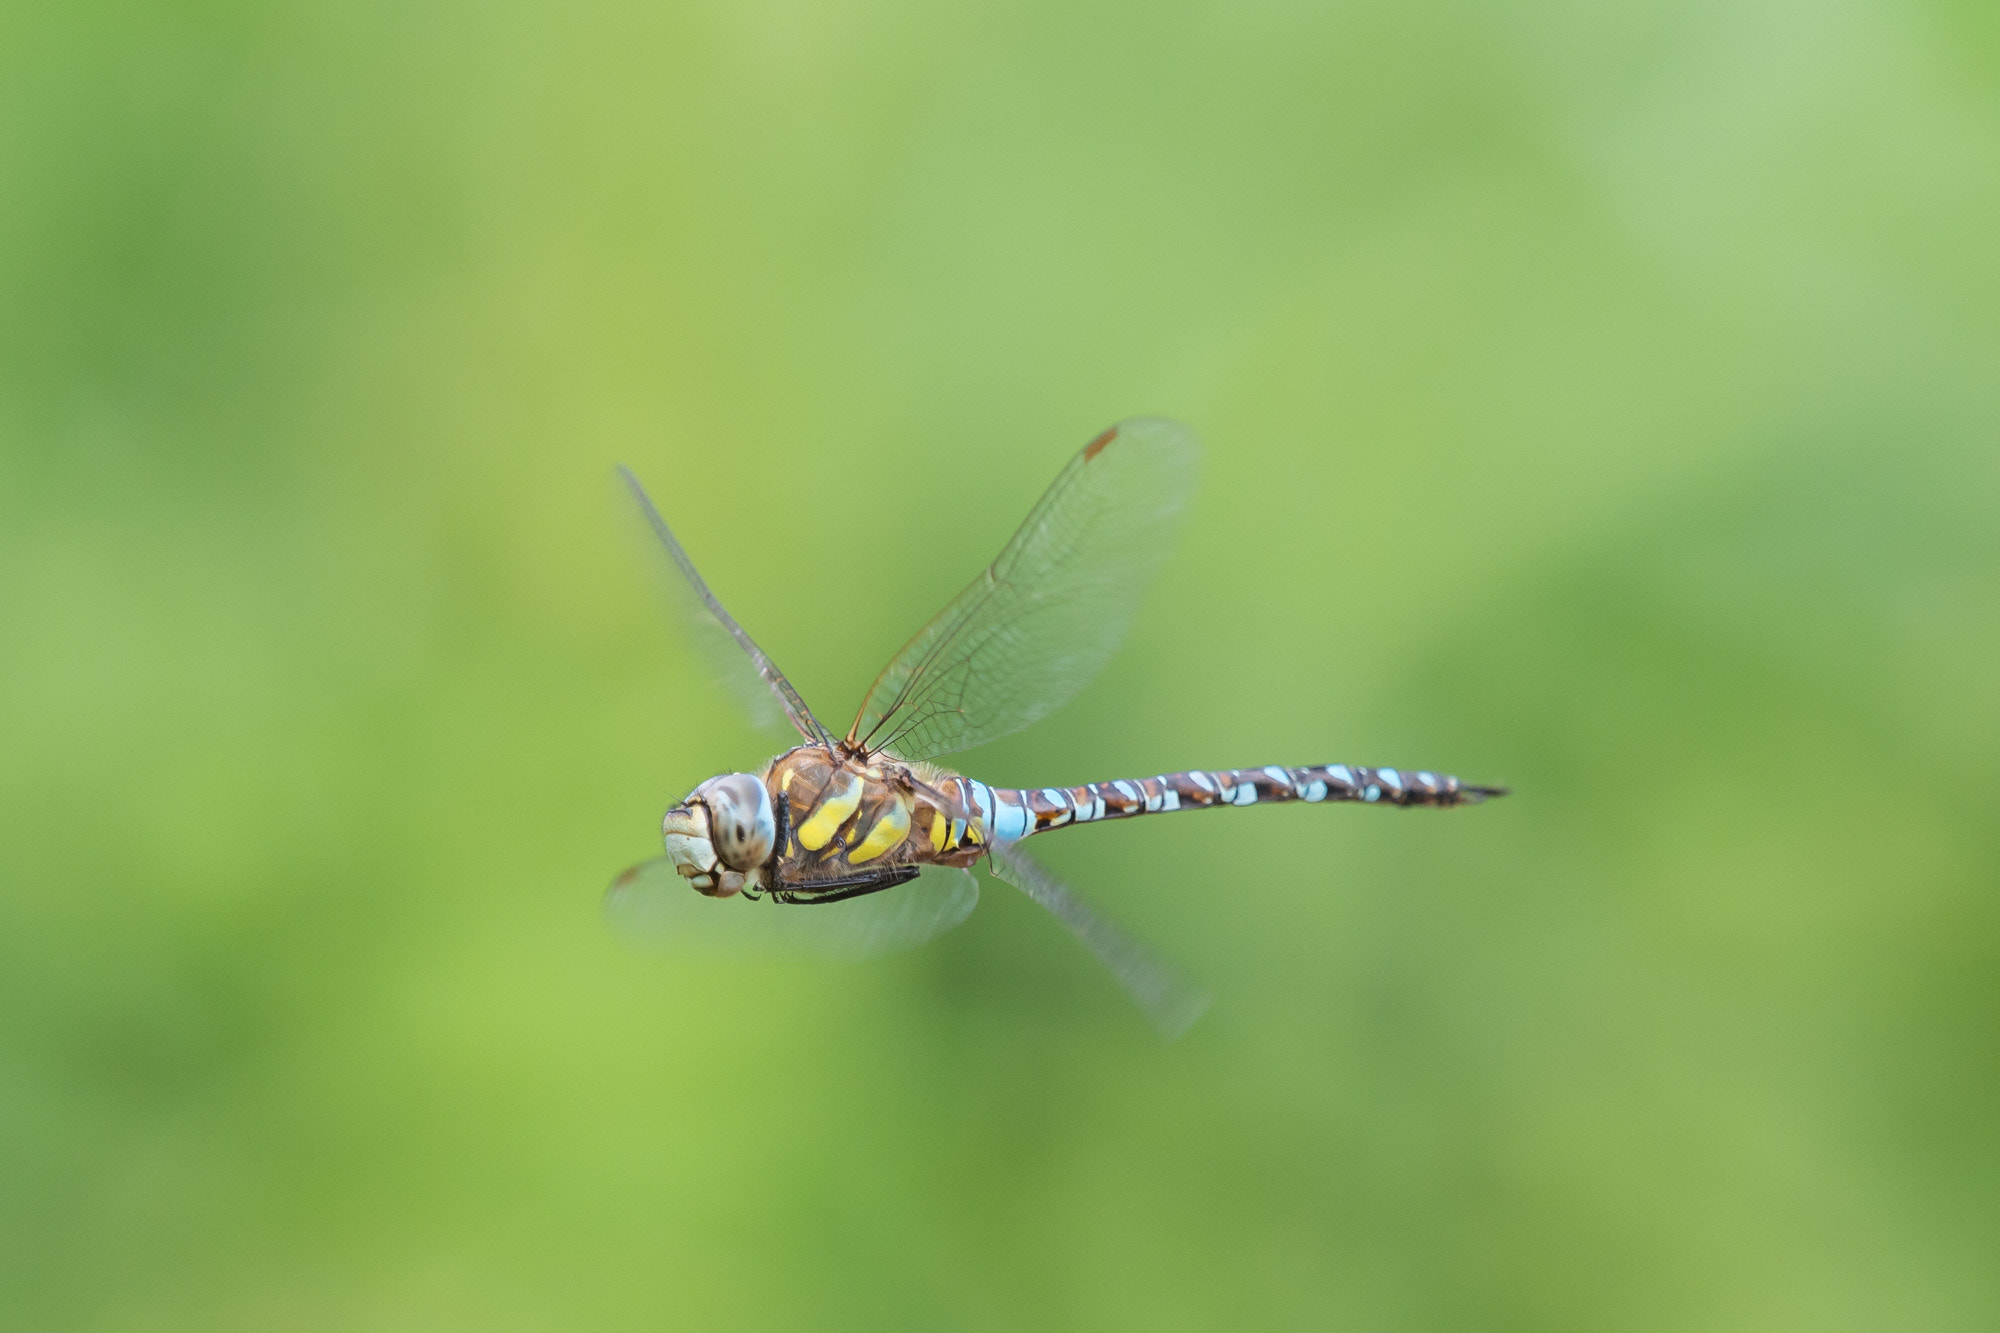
(723,831)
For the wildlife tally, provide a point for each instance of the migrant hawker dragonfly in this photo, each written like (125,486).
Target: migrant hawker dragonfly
(817,850)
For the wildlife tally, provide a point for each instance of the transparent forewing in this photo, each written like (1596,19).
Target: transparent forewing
(730,653)
(652,904)
(1169,999)
(1043,618)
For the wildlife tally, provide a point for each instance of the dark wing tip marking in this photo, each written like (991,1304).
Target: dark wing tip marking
(1096,446)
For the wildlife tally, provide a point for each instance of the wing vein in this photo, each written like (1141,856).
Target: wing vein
(1040,621)
(788,698)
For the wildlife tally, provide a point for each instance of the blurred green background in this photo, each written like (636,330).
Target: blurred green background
(1600,399)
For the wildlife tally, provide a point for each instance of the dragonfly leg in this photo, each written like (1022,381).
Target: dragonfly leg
(780,841)
(847,886)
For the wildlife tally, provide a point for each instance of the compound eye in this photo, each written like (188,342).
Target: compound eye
(741,821)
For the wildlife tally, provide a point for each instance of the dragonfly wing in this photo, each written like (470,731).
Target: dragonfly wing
(1044,617)
(653,905)
(732,655)
(1169,999)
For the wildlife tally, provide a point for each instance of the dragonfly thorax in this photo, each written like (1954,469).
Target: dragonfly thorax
(719,836)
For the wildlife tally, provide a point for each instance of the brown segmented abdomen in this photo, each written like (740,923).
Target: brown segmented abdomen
(1020,813)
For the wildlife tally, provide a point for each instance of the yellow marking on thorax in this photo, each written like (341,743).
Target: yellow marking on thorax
(938,829)
(889,831)
(836,807)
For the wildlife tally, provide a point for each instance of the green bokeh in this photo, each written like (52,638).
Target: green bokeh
(1601,399)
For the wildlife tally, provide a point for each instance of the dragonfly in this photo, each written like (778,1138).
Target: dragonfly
(857,844)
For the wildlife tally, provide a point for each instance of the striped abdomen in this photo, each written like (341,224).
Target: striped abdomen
(1012,813)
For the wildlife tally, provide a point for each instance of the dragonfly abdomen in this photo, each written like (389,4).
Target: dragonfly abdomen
(1020,812)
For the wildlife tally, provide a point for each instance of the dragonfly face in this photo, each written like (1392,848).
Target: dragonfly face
(721,833)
